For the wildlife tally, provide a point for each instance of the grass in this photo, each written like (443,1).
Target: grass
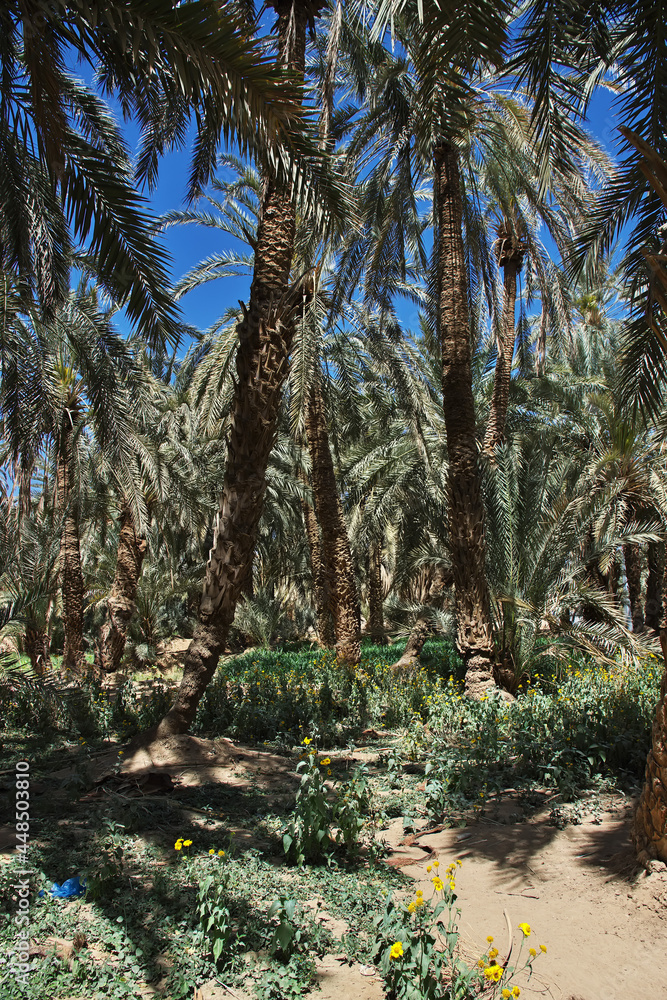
(575,729)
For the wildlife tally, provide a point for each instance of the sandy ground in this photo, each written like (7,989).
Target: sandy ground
(601,918)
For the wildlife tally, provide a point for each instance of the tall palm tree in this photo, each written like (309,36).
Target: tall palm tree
(68,175)
(265,336)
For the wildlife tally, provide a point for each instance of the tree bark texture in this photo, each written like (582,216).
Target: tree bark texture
(466,508)
(265,339)
(633,574)
(321,585)
(336,552)
(649,829)
(510,258)
(122,598)
(375,612)
(656,569)
(71,574)
(413,647)
(36,645)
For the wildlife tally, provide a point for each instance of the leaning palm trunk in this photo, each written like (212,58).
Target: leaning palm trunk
(375,614)
(321,587)
(123,595)
(265,338)
(36,645)
(510,258)
(336,553)
(71,573)
(466,509)
(413,647)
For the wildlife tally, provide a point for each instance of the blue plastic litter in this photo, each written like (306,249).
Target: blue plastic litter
(68,890)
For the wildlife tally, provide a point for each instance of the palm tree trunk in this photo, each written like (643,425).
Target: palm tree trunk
(649,830)
(375,615)
(413,647)
(466,509)
(336,553)
(633,573)
(36,645)
(321,587)
(265,338)
(511,258)
(70,551)
(123,595)
(656,570)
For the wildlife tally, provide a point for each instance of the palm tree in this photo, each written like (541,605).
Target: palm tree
(265,336)
(67,172)
(61,380)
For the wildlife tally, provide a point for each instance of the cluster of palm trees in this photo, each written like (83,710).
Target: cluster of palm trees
(489,473)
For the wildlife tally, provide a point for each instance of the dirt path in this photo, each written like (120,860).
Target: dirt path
(602,921)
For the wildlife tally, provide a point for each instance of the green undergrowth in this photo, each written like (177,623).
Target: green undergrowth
(365,748)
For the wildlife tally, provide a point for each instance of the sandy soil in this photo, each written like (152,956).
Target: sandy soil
(601,918)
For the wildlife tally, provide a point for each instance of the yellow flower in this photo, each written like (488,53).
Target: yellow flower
(419,893)
(493,953)
(506,994)
(325,762)
(481,963)
(329,771)
(543,948)
(452,886)
(459,863)
(525,928)
(494,973)
(307,741)
(437,882)
(429,867)
(436,864)
(490,938)
(178,845)
(532,952)
(419,902)
(411,907)
(212,850)
(515,991)
(396,950)
(187,843)
(221,854)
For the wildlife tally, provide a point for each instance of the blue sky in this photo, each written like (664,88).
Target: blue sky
(189,244)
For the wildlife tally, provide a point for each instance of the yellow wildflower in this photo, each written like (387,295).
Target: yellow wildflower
(436,864)
(515,991)
(419,893)
(452,886)
(532,952)
(438,884)
(481,963)
(396,950)
(543,948)
(178,844)
(307,741)
(429,868)
(411,907)
(325,762)
(493,953)
(506,994)
(212,850)
(494,973)
(525,928)
(221,854)
(187,843)
(490,938)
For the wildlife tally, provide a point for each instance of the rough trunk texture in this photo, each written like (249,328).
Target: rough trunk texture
(321,587)
(466,509)
(413,647)
(265,338)
(649,829)
(633,573)
(36,645)
(656,569)
(71,574)
(375,612)
(336,553)
(123,595)
(510,258)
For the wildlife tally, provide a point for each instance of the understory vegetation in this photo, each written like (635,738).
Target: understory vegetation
(230,881)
